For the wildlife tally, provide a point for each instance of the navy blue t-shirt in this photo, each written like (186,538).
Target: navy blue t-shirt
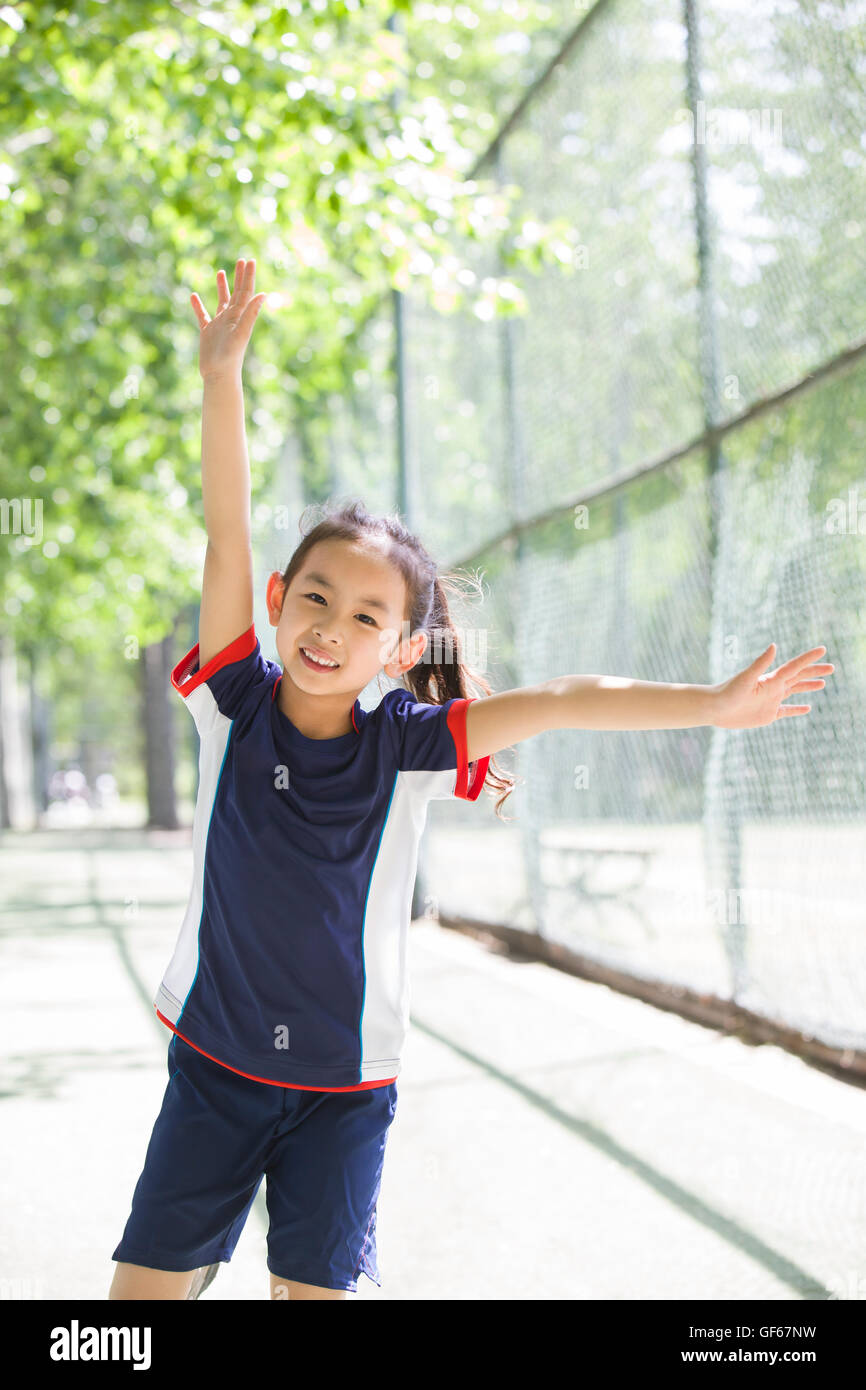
(291,962)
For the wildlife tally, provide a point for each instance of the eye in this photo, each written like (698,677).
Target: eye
(362,615)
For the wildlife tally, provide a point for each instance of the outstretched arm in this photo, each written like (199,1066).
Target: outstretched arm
(227,584)
(746,701)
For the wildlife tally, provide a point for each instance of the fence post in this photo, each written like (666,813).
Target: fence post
(722,824)
(405,490)
(515,446)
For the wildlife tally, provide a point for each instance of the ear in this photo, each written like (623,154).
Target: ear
(406,656)
(274,596)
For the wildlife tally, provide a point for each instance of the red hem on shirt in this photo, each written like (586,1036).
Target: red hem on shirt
(292,1086)
(185,680)
(470,791)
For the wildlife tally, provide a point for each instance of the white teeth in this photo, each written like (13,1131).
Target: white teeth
(331,665)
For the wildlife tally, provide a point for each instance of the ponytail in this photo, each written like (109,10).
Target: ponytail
(442,674)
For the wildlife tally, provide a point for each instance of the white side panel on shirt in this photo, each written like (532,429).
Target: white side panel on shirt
(214,729)
(385,1016)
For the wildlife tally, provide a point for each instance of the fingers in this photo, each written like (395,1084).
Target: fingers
(792,667)
(222,290)
(798,665)
(245,279)
(239,298)
(810,672)
(761,662)
(199,310)
(251,313)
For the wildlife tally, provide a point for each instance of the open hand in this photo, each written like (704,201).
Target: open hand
(224,337)
(750,699)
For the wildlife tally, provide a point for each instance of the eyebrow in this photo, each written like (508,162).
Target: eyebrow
(312,577)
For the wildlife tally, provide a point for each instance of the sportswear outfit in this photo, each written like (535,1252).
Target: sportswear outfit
(288,991)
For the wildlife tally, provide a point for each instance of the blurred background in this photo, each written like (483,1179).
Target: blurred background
(578,289)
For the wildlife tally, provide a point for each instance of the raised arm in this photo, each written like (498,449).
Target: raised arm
(227,582)
(748,700)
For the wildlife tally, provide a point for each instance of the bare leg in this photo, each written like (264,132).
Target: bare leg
(139,1282)
(290,1288)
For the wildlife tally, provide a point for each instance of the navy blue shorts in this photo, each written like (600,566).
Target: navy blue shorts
(218,1134)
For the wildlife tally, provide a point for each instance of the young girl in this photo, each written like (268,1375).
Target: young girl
(287,995)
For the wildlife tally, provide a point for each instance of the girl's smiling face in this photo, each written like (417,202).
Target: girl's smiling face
(346,604)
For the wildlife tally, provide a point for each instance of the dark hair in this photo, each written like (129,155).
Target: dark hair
(441,674)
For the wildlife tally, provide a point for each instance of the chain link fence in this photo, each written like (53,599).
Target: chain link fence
(656,471)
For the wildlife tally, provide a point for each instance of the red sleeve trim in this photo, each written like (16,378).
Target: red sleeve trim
(185,678)
(468,789)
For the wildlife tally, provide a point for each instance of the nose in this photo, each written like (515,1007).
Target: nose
(322,634)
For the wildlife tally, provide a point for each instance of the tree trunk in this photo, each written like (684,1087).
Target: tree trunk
(17,810)
(40,732)
(158,720)
(5,822)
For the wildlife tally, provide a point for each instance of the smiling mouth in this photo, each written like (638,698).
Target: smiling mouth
(316,665)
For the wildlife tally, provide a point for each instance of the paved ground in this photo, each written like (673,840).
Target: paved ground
(552,1140)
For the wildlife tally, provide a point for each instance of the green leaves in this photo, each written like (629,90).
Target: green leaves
(148,145)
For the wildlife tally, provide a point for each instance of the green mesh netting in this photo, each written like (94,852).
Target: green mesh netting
(728,862)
